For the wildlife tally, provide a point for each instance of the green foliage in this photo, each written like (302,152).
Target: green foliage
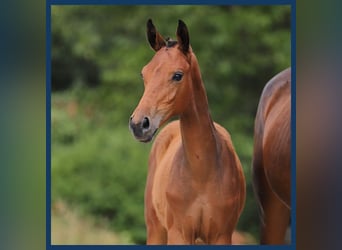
(249,218)
(96,164)
(100,169)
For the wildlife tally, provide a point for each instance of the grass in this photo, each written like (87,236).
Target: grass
(68,227)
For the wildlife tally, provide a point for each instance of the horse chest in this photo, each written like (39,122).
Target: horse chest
(197,216)
(193,208)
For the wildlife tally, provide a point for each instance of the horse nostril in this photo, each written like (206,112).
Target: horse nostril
(145,123)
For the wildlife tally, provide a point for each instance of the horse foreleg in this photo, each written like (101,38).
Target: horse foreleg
(156,233)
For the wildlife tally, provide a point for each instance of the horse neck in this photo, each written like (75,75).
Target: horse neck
(197,129)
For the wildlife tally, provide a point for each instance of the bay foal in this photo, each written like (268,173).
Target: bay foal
(272,158)
(195,188)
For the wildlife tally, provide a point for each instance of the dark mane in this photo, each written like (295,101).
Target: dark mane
(170,43)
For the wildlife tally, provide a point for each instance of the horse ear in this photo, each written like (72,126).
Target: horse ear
(154,38)
(183,37)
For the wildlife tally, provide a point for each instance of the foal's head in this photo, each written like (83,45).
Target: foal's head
(167,79)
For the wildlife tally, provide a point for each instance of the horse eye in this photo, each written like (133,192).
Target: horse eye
(177,76)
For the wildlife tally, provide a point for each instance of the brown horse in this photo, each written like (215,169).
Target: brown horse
(195,188)
(272,158)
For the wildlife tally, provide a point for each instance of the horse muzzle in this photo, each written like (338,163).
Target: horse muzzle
(143,130)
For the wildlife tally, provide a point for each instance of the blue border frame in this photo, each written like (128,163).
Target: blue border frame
(171,2)
(292,3)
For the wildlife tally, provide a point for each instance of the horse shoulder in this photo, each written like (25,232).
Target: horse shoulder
(159,167)
(225,139)
(235,170)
